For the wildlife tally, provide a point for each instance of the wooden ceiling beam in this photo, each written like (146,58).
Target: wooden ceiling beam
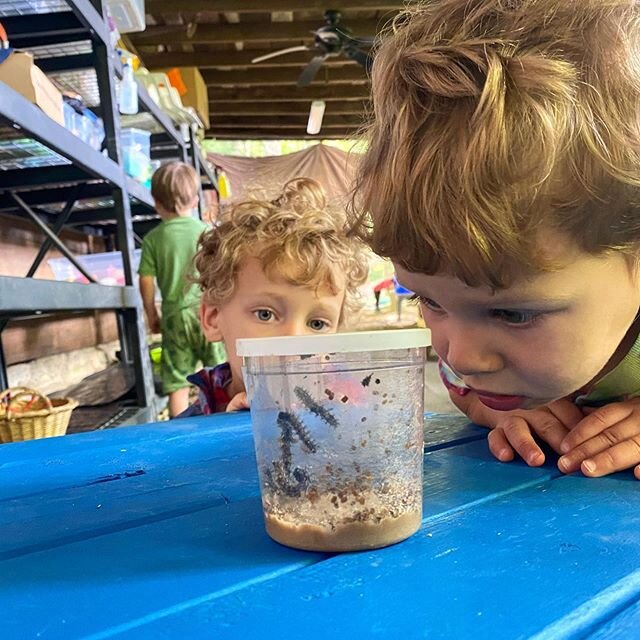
(156,7)
(260,109)
(207,33)
(287,94)
(286,76)
(290,122)
(234,59)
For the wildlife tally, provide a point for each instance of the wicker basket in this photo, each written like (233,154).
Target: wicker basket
(26,414)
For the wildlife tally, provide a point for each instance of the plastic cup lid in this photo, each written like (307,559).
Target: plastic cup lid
(334,343)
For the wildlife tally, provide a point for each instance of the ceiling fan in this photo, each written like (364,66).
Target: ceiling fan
(331,40)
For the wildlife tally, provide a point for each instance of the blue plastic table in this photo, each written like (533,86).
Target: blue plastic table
(156,532)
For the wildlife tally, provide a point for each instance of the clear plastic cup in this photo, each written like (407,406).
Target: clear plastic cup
(338,430)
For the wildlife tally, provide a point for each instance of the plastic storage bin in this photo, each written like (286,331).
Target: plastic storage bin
(136,154)
(338,431)
(88,127)
(106,268)
(129,15)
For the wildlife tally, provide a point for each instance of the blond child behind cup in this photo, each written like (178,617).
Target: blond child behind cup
(272,268)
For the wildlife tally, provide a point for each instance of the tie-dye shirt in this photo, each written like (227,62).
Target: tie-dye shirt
(213,397)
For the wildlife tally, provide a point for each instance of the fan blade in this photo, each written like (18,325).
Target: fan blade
(281,52)
(310,71)
(361,57)
(361,42)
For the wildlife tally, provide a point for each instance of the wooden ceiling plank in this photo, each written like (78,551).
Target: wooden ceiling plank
(290,122)
(259,6)
(286,76)
(288,94)
(247,32)
(284,108)
(234,59)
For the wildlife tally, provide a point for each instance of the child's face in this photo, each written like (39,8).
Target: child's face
(263,307)
(541,339)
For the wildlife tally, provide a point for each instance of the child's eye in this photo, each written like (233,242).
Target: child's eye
(264,315)
(318,325)
(432,305)
(512,316)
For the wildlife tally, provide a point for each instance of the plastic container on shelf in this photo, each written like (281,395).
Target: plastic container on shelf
(166,96)
(86,129)
(136,154)
(338,432)
(86,125)
(96,133)
(106,268)
(128,101)
(71,119)
(68,113)
(128,15)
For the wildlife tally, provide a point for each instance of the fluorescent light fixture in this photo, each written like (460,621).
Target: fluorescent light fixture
(316,114)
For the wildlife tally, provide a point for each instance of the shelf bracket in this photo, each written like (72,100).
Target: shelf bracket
(51,236)
(61,220)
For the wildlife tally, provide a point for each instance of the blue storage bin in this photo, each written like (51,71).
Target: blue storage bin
(136,154)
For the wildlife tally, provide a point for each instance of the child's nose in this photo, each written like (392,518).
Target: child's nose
(469,353)
(297,328)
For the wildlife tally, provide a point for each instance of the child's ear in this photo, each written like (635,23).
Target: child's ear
(209,321)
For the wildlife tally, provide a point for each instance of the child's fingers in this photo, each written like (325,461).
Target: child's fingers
(499,445)
(566,412)
(238,402)
(518,433)
(636,472)
(595,423)
(619,434)
(622,456)
(546,425)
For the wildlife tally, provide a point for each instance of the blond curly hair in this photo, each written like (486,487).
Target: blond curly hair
(496,119)
(305,245)
(302,193)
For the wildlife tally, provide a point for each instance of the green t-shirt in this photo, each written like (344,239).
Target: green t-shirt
(620,383)
(167,253)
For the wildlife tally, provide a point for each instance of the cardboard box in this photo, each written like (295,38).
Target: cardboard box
(197,95)
(21,74)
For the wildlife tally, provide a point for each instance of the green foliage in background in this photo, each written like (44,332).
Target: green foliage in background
(261,148)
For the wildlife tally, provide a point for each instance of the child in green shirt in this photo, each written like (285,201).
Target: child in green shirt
(167,254)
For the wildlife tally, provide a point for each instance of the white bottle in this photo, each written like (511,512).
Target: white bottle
(128,92)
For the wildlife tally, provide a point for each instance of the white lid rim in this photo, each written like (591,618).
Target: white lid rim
(357,341)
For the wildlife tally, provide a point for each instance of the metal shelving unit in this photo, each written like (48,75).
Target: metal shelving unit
(66,183)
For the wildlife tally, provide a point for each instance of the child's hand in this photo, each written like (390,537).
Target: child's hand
(238,402)
(512,431)
(154,324)
(605,441)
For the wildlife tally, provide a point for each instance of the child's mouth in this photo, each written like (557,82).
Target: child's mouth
(500,402)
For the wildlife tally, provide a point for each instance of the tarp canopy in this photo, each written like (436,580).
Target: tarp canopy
(333,168)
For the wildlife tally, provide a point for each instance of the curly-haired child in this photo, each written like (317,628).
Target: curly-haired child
(503,179)
(272,268)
